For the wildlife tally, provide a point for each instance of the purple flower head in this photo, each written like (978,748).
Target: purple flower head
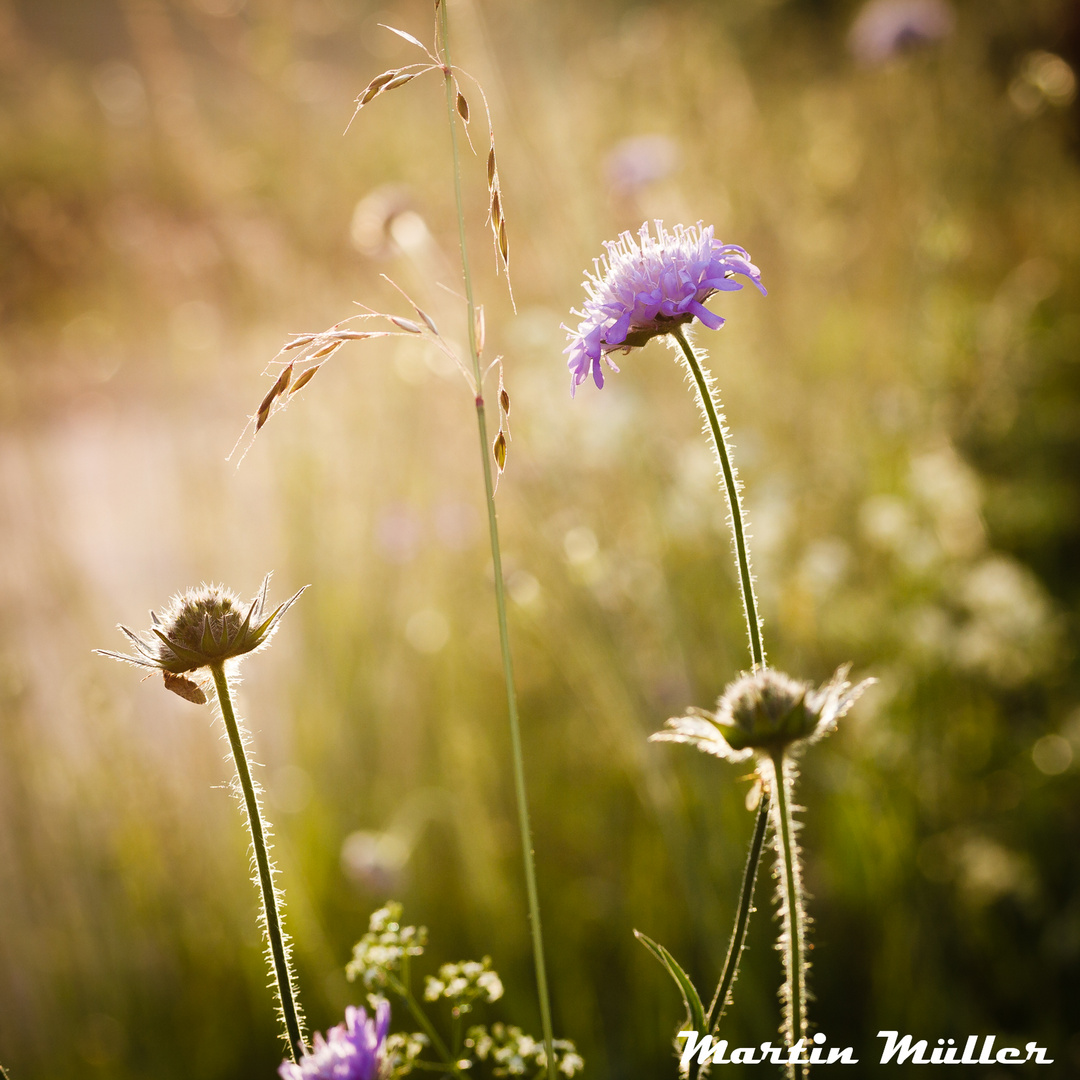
(884,28)
(649,286)
(355,1050)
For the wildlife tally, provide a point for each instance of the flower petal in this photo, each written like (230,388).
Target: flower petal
(709,318)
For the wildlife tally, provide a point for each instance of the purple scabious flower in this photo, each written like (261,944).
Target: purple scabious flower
(649,286)
(885,28)
(641,160)
(355,1050)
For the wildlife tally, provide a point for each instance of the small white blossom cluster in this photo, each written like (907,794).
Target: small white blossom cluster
(380,952)
(513,1053)
(402,1050)
(465,983)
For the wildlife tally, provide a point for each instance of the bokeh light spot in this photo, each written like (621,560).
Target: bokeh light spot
(1052,755)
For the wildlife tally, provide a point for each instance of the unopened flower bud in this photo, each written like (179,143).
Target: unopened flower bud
(765,712)
(202,627)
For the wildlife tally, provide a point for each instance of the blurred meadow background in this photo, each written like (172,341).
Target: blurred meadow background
(177,197)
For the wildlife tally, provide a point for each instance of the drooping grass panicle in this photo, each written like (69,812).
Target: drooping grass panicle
(292,373)
(386,81)
(439,60)
(475,324)
(395,77)
(496,219)
(312,350)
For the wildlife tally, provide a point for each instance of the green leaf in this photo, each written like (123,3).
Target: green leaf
(694,1010)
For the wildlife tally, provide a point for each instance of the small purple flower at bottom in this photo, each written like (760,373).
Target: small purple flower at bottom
(885,28)
(355,1050)
(649,286)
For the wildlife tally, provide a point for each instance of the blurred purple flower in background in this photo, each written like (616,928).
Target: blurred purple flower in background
(640,160)
(354,1050)
(399,533)
(884,28)
(645,287)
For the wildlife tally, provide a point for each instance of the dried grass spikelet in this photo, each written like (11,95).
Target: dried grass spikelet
(495,215)
(313,350)
(502,439)
(304,379)
(479,329)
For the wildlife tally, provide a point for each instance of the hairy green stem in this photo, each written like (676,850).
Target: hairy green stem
(738,933)
(278,948)
(500,588)
(742,918)
(731,486)
(757,657)
(403,992)
(794,947)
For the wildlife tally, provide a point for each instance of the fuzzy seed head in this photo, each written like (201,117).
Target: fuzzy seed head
(765,712)
(184,625)
(202,627)
(763,708)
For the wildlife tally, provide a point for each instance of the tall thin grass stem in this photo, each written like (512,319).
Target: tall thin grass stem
(794,948)
(271,917)
(500,588)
